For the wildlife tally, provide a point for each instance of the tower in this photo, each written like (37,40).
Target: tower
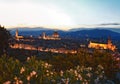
(109,41)
(110,45)
(16,33)
(43,35)
(17,37)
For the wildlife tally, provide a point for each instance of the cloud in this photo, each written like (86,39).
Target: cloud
(106,24)
(103,25)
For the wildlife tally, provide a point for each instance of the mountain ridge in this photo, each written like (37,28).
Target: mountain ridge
(80,33)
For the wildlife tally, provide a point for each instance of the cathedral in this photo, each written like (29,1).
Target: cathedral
(108,45)
(55,36)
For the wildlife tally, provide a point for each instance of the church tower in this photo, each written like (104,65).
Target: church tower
(17,37)
(109,41)
(43,35)
(110,45)
(16,33)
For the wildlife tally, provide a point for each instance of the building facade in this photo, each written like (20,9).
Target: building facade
(54,36)
(17,37)
(108,45)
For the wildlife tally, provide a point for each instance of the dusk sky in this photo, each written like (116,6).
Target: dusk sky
(59,13)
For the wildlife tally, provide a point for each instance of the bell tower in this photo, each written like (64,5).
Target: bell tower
(43,35)
(16,33)
(109,41)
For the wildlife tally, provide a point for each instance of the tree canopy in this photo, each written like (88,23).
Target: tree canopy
(4,40)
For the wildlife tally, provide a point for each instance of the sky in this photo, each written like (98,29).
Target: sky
(62,14)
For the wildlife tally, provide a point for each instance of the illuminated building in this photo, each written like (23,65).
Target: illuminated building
(55,36)
(109,45)
(17,37)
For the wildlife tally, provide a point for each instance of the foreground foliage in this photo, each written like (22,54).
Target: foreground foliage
(34,71)
(4,40)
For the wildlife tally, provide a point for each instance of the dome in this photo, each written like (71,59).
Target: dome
(55,34)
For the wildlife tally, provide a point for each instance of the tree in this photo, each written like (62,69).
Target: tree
(4,40)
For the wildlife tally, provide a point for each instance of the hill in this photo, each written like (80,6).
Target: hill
(95,33)
(77,33)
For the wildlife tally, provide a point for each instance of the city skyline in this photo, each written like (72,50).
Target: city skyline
(60,13)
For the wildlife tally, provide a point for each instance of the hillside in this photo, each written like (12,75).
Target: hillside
(83,33)
(95,33)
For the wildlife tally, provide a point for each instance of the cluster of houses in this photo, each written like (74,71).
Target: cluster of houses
(38,48)
(55,36)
